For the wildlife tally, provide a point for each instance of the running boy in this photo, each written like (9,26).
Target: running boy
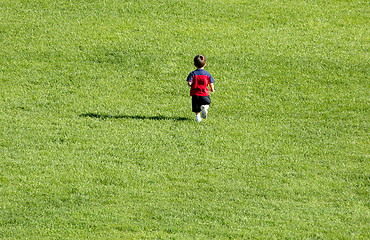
(199,80)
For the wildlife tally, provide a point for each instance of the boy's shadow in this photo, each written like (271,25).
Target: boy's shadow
(108,116)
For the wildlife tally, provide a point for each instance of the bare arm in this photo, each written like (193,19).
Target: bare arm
(212,87)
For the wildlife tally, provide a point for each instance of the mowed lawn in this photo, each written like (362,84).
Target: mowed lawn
(98,141)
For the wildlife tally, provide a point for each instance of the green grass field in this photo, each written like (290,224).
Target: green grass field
(98,141)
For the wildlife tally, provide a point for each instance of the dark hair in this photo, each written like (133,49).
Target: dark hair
(199,61)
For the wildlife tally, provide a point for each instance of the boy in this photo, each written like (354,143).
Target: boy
(199,80)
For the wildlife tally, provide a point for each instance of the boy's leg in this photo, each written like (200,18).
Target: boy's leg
(200,105)
(198,117)
(204,111)
(206,101)
(196,105)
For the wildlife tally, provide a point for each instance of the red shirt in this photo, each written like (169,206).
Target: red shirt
(200,80)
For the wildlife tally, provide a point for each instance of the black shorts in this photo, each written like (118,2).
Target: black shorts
(198,101)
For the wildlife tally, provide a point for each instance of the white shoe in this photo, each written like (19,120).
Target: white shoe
(198,118)
(204,111)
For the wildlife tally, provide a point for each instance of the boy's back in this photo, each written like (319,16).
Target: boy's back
(200,80)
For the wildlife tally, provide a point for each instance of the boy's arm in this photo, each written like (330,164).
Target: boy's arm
(189,79)
(212,87)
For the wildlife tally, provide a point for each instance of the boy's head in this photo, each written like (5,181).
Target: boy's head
(199,61)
